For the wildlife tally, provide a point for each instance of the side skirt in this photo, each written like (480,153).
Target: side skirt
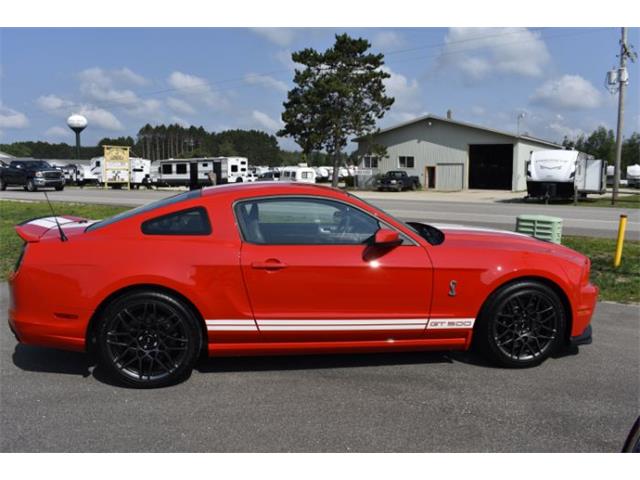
(311,348)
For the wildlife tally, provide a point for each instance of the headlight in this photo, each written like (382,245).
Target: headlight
(393,181)
(38,174)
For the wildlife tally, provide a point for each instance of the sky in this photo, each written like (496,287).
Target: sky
(223,78)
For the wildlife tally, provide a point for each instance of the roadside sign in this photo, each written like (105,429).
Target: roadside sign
(116,168)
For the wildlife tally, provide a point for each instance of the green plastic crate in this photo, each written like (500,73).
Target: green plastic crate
(540,226)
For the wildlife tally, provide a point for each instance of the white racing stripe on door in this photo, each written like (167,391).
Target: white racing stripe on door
(289,325)
(231,325)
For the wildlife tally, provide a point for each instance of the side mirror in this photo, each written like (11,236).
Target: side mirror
(387,238)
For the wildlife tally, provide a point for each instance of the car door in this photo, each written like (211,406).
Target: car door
(311,273)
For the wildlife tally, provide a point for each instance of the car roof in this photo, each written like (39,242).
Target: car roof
(272,188)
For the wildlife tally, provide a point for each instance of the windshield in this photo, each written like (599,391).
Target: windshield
(145,208)
(34,165)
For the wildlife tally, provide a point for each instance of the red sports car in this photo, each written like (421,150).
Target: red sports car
(285,268)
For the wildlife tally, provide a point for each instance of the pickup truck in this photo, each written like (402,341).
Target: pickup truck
(31,175)
(398,180)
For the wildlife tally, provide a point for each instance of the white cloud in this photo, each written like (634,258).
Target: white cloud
(127,75)
(10,118)
(266,81)
(180,106)
(196,87)
(479,53)
(180,121)
(478,110)
(280,36)
(98,86)
(569,91)
(405,91)
(58,132)
(53,103)
(284,58)
(100,118)
(265,121)
(386,40)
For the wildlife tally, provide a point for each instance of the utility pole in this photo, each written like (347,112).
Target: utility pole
(622,78)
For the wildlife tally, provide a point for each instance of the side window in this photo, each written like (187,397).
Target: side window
(167,168)
(193,221)
(181,168)
(304,221)
(234,168)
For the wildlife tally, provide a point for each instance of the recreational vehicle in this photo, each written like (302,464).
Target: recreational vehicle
(177,172)
(139,173)
(563,173)
(298,174)
(633,176)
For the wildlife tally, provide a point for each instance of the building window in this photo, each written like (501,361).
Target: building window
(406,162)
(370,162)
(167,168)
(181,168)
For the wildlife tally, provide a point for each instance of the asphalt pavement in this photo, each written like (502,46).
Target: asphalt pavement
(585,400)
(432,208)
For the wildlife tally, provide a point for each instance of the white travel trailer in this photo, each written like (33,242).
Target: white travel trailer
(237,168)
(139,173)
(633,176)
(177,172)
(298,174)
(560,173)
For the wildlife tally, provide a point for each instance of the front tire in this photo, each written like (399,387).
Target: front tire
(60,188)
(148,339)
(3,185)
(31,186)
(521,325)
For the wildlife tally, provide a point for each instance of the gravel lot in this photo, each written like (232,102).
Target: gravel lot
(583,401)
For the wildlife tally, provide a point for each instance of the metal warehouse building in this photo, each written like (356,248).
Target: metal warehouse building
(449,155)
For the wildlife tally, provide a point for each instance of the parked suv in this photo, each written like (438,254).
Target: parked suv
(31,174)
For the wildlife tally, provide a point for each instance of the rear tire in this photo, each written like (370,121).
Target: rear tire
(3,185)
(521,325)
(148,339)
(60,188)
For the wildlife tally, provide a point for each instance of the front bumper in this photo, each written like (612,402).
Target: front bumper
(48,182)
(585,338)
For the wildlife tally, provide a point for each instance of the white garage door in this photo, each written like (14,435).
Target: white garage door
(449,177)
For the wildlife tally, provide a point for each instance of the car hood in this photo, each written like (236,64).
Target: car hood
(479,237)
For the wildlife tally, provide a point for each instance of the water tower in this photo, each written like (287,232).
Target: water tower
(77,123)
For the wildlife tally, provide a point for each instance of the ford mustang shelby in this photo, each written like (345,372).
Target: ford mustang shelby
(285,268)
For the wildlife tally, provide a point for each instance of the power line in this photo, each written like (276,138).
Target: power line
(119,105)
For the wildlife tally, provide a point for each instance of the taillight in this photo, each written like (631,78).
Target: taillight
(20,257)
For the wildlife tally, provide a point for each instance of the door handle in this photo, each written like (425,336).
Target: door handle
(270,264)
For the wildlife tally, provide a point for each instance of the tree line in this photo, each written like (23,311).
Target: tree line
(601,143)
(175,141)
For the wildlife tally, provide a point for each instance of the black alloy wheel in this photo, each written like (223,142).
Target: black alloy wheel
(149,339)
(523,325)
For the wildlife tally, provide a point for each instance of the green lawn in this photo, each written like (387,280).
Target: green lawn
(620,285)
(12,213)
(624,201)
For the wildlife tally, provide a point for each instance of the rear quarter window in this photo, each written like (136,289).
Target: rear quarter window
(193,221)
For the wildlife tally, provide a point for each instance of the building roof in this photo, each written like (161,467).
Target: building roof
(468,125)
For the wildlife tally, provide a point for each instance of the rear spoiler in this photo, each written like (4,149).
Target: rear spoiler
(33,229)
